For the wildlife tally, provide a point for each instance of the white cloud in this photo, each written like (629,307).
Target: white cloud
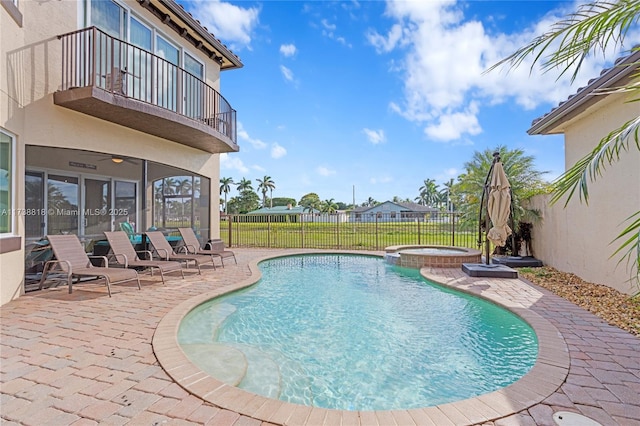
(449,127)
(327,26)
(447,174)
(444,59)
(324,171)
(286,73)
(288,49)
(230,23)
(329,30)
(386,44)
(232,163)
(374,136)
(243,135)
(277,151)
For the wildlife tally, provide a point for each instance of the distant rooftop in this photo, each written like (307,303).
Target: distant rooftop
(283,210)
(412,207)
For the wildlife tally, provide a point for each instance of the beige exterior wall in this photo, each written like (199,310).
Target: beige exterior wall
(30,72)
(579,238)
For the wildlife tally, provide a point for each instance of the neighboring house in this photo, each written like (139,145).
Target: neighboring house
(393,212)
(578,238)
(110,111)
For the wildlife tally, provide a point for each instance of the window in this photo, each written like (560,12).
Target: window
(130,69)
(109,17)
(139,66)
(6,183)
(34,202)
(193,96)
(167,74)
(181,199)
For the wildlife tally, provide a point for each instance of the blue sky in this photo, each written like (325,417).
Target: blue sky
(381,95)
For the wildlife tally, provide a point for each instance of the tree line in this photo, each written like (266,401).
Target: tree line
(461,195)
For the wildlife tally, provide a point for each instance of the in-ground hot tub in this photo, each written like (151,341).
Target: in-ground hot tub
(417,256)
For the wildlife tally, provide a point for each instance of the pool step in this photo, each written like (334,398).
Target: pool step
(295,377)
(263,374)
(221,361)
(194,329)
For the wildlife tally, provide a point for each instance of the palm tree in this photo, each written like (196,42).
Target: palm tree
(421,199)
(591,30)
(447,193)
(429,194)
(370,202)
(329,206)
(225,187)
(525,182)
(244,185)
(266,184)
(169,186)
(183,186)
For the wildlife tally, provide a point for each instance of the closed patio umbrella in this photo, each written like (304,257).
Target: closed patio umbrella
(499,206)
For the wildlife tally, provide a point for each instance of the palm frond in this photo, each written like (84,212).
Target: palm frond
(582,33)
(631,244)
(590,167)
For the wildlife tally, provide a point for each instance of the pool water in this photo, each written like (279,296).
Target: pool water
(352,332)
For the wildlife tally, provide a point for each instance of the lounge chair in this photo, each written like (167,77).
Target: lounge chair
(192,246)
(72,259)
(126,255)
(165,251)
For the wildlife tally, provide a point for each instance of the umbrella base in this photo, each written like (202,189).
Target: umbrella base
(489,271)
(517,261)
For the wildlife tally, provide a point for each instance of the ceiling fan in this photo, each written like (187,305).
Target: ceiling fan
(120,158)
(117,159)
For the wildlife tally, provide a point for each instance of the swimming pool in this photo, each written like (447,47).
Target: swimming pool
(352,332)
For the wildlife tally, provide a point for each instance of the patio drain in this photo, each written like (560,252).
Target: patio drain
(568,418)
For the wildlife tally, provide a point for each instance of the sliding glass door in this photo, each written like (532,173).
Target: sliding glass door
(34,223)
(82,205)
(97,211)
(62,204)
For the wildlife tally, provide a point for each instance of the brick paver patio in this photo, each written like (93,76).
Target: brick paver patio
(86,359)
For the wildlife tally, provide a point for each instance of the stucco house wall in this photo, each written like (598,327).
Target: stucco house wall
(579,238)
(30,73)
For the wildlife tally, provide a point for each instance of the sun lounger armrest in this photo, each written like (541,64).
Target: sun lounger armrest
(48,267)
(105,261)
(189,249)
(126,260)
(147,253)
(166,253)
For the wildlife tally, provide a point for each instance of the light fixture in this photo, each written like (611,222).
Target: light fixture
(117,160)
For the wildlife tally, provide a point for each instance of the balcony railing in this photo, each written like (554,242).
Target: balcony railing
(92,58)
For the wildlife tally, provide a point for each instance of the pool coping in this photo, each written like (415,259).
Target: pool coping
(544,378)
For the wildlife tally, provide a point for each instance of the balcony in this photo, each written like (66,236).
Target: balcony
(116,81)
